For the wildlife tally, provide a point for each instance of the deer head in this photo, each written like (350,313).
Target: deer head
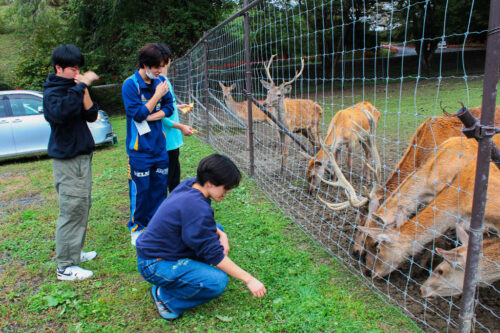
(226,92)
(276,94)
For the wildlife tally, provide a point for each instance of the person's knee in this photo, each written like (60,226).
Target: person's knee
(218,283)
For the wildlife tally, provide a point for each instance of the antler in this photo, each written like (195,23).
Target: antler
(297,74)
(267,69)
(353,199)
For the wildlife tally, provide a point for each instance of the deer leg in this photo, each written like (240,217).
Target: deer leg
(368,157)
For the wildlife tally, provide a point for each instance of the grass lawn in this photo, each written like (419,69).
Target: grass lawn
(308,290)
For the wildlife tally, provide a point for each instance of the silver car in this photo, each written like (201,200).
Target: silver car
(24,130)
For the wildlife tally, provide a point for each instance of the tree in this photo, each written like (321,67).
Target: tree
(110,32)
(429,22)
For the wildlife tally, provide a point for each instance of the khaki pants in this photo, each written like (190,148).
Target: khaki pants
(73,183)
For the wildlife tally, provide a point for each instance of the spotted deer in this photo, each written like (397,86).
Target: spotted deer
(445,185)
(298,115)
(429,135)
(344,131)
(447,279)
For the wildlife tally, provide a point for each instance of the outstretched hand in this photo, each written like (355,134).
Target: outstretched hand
(256,287)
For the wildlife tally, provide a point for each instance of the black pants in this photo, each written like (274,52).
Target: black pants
(174,169)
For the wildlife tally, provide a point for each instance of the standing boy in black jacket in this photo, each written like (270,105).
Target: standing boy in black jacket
(67,107)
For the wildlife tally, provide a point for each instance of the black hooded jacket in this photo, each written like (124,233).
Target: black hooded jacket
(63,109)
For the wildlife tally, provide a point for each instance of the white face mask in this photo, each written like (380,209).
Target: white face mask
(149,74)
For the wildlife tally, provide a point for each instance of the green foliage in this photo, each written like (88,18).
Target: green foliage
(109,33)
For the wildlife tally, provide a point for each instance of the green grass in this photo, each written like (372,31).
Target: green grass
(403,106)
(308,290)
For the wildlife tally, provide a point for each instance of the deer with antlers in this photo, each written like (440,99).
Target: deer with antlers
(298,115)
(347,128)
(429,135)
(445,185)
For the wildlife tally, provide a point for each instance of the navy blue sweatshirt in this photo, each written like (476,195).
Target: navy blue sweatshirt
(63,109)
(182,227)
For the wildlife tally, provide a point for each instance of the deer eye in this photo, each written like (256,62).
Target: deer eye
(439,272)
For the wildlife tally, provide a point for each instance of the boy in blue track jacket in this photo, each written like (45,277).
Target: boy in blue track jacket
(183,252)
(147,101)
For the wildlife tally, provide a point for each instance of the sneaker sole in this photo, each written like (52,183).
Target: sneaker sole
(63,277)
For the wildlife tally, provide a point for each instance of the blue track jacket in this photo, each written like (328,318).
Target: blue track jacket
(136,93)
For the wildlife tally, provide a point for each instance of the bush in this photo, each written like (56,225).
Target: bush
(34,65)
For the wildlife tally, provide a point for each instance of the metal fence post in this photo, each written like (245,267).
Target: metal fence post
(189,78)
(205,85)
(483,166)
(248,77)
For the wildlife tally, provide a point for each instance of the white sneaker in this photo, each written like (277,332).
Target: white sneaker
(134,235)
(73,273)
(87,256)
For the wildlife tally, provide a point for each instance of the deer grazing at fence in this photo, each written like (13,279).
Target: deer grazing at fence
(429,135)
(447,279)
(297,115)
(445,185)
(344,131)
(240,108)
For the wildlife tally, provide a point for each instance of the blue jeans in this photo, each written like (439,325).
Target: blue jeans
(184,283)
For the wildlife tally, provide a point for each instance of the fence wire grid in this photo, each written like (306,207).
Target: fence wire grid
(384,178)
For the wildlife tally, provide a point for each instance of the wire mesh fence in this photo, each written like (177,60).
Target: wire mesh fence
(371,167)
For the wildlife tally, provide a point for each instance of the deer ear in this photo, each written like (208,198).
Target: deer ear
(221,85)
(453,257)
(287,89)
(233,85)
(267,85)
(378,219)
(462,235)
(378,234)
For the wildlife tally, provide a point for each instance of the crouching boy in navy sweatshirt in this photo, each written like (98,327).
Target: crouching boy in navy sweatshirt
(183,252)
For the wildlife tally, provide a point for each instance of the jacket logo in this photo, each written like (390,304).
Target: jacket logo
(141,174)
(143,99)
(162,171)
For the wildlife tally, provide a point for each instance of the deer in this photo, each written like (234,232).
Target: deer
(445,183)
(297,115)
(447,279)
(367,140)
(343,131)
(241,108)
(429,135)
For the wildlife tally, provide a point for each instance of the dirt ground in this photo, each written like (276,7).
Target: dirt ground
(335,230)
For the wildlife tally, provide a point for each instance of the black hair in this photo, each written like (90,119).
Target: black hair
(154,55)
(67,56)
(219,170)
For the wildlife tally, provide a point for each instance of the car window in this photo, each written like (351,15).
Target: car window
(3,109)
(25,106)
